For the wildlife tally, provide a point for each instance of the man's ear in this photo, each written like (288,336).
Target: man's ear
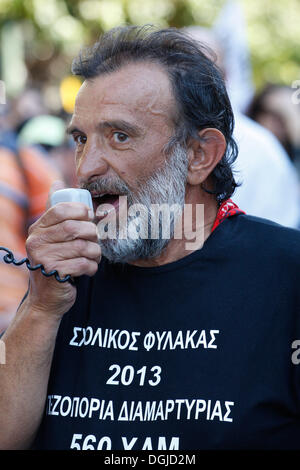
(205,154)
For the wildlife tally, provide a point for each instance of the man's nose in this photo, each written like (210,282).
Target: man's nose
(91,163)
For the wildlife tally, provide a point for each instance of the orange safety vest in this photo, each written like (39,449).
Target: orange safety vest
(25,181)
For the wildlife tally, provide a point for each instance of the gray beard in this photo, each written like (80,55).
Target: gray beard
(166,186)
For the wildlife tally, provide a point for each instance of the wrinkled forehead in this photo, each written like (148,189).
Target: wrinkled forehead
(141,91)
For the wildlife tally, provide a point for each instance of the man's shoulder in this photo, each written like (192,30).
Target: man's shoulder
(261,224)
(268,237)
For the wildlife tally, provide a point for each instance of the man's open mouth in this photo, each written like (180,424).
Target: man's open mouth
(105,199)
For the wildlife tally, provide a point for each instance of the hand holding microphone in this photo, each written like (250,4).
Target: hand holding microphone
(64,239)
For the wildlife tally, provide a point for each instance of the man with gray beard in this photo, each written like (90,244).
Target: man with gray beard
(159,343)
(165,188)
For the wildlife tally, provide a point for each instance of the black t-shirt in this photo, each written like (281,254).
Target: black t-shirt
(195,354)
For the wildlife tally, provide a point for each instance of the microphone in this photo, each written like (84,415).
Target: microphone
(72,195)
(61,195)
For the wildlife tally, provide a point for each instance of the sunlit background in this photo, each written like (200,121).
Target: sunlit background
(39,38)
(260,55)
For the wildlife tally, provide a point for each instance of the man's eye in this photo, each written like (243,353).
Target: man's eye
(120,137)
(79,139)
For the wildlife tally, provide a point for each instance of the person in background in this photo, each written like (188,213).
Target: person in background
(157,344)
(47,133)
(275,109)
(16,113)
(269,181)
(26,175)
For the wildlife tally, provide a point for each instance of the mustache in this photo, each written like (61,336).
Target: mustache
(107,185)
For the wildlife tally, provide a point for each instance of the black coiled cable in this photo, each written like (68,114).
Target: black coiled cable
(10,259)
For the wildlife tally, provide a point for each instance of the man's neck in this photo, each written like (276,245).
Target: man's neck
(177,248)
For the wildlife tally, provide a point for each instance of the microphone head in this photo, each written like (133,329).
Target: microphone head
(72,195)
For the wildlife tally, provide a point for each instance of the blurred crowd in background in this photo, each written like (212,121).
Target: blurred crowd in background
(256,46)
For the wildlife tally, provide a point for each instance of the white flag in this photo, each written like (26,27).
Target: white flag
(230,30)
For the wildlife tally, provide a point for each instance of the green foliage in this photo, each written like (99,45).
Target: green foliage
(60,27)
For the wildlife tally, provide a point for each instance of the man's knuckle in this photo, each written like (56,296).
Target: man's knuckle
(79,245)
(48,266)
(96,250)
(83,264)
(31,228)
(59,211)
(69,227)
(84,210)
(92,269)
(31,243)
(93,234)
(91,249)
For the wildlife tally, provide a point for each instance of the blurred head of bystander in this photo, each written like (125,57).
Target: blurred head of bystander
(47,133)
(275,109)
